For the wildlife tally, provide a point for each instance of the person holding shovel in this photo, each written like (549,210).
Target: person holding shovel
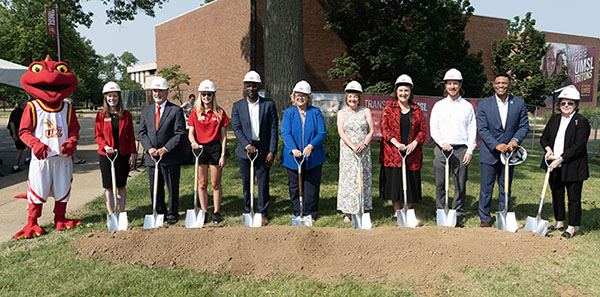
(355,127)
(208,122)
(452,127)
(403,129)
(502,123)
(565,142)
(114,135)
(303,130)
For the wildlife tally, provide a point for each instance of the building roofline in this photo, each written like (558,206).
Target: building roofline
(203,5)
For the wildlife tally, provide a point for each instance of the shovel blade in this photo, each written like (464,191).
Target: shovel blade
(361,221)
(193,219)
(152,221)
(122,221)
(302,221)
(111,222)
(252,220)
(536,225)
(406,218)
(446,219)
(507,222)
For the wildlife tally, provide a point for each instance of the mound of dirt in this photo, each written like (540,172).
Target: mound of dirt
(420,254)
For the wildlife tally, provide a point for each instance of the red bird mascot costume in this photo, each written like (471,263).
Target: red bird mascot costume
(50,128)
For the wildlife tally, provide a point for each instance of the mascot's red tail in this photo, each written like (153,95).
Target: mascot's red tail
(21,196)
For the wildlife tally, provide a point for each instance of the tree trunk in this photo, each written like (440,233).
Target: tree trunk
(283,49)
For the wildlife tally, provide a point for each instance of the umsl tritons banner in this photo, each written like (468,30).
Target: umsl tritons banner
(581,62)
(376,103)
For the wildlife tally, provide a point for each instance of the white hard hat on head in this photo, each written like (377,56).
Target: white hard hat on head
(302,87)
(353,86)
(404,79)
(159,83)
(252,76)
(569,92)
(453,74)
(207,86)
(111,86)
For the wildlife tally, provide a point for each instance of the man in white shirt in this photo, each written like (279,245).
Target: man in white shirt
(502,124)
(452,127)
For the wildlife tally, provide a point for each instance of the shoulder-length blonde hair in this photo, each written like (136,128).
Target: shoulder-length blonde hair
(106,108)
(199,106)
(308,103)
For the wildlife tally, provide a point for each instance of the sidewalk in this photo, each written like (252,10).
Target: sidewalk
(85,187)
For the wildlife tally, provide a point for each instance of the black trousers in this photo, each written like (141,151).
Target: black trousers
(262,179)
(311,185)
(169,175)
(558,198)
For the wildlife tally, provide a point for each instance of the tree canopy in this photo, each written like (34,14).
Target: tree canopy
(520,55)
(420,38)
(175,78)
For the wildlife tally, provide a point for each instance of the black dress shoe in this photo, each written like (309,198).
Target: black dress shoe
(567,235)
(172,220)
(553,228)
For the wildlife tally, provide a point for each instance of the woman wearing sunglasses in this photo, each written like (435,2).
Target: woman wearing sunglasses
(565,141)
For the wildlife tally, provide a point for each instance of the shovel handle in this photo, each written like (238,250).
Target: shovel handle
(155,188)
(300,184)
(252,182)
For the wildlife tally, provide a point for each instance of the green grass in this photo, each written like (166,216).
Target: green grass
(48,265)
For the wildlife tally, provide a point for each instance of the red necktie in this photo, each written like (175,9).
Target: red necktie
(157,116)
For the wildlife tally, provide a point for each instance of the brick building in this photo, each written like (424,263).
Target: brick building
(213,42)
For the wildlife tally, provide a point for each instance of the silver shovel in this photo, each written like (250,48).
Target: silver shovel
(505,220)
(446,217)
(536,224)
(252,219)
(154,220)
(118,221)
(361,220)
(194,218)
(406,217)
(301,220)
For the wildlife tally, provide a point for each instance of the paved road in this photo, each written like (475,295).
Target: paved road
(85,187)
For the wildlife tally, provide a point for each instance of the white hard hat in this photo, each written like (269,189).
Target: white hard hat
(302,87)
(159,83)
(252,76)
(404,79)
(111,86)
(569,92)
(353,86)
(453,74)
(516,157)
(207,86)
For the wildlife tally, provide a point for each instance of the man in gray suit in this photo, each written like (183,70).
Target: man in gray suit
(161,129)
(254,121)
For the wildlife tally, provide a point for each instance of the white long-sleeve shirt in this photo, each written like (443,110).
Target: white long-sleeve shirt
(453,122)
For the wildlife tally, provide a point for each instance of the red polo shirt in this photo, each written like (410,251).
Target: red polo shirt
(207,127)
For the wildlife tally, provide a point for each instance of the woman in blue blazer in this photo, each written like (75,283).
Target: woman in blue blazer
(303,130)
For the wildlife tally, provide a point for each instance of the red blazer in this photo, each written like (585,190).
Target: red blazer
(390,128)
(104,135)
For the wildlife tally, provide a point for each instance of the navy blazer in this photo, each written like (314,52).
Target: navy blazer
(489,126)
(171,129)
(314,134)
(268,119)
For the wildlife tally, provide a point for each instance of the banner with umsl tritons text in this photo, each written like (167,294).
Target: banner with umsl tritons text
(580,61)
(330,103)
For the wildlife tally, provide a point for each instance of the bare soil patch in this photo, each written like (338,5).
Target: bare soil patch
(420,254)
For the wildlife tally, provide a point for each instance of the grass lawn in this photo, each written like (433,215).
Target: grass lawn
(47,266)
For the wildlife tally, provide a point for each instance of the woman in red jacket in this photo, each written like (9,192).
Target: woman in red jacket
(403,128)
(113,122)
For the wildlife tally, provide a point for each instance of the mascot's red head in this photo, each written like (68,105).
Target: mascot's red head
(49,81)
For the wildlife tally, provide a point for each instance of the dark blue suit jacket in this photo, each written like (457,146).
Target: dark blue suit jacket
(171,129)
(240,122)
(489,126)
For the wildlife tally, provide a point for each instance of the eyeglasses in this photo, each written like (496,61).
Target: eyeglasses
(206,94)
(565,103)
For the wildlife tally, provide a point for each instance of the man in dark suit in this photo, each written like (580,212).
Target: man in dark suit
(161,130)
(502,124)
(254,121)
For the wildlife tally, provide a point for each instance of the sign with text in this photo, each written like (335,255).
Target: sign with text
(51,21)
(580,61)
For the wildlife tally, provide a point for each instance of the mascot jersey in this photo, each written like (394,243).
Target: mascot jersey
(50,125)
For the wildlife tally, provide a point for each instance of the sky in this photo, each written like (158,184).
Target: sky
(577,17)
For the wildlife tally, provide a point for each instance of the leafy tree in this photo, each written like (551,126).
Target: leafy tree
(115,69)
(420,38)
(175,78)
(519,55)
